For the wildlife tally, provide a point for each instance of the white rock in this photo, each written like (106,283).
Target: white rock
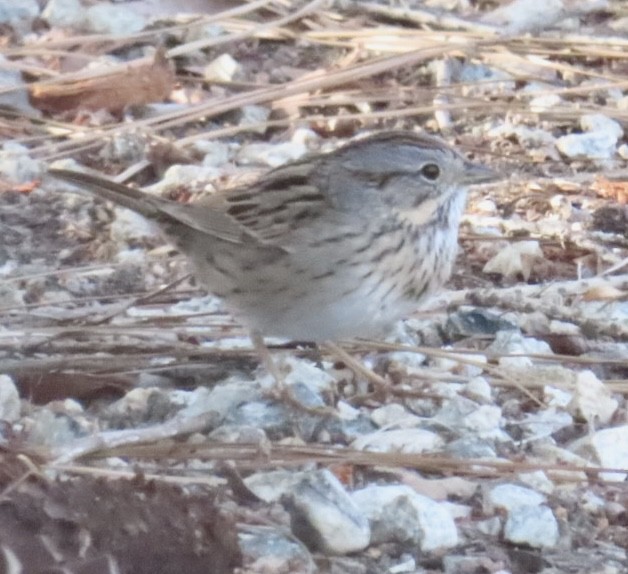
(609,448)
(485,421)
(535,526)
(253,115)
(486,207)
(545,423)
(177,175)
(302,371)
(460,413)
(593,145)
(537,480)
(240,434)
(490,526)
(470,446)
(64,13)
(511,496)
(404,440)
(507,342)
(323,511)
(123,148)
(591,502)
(347,412)
(271,486)
(135,401)
(130,257)
(304,136)
(592,399)
(114,19)
(72,407)
(551,454)
(204,304)
(399,514)
(13,90)
(229,343)
(454,410)
(408,565)
(407,361)
(480,79)
(267,549)
(16,165)
(459,365)
(215,153)
(394,415)
(129,226)
(201,31)
(601,123)
(563,328)
(9,400)
(622,151)
(18,14)
(545,102)
(556,397)
(528,136)
(520,16)
(444,390)
(515,363)
(221,69)
(50,429)
(221,399)
(479,387)
(606,89)
(458,511)
(10,295)
(272,155)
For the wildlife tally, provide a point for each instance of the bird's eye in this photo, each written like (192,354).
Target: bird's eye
(430,171)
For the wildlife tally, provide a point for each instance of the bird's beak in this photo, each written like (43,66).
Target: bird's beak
(475,173)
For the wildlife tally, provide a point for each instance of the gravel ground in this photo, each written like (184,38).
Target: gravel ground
(140,431)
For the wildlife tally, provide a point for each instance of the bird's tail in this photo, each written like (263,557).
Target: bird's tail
(109,190)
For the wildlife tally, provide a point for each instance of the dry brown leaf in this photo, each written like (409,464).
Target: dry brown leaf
(603,293)
(616,190)
(44,387)
(26,188)
(133,85)
(345,473)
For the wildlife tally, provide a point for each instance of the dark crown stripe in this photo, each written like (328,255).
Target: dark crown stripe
(404,138)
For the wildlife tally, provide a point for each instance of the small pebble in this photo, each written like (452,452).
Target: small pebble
(535,526)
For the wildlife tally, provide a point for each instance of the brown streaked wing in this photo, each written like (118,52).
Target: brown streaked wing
(265,212)
(270,210)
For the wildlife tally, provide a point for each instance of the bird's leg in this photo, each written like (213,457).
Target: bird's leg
(270,365)
(282,391)
(381,385)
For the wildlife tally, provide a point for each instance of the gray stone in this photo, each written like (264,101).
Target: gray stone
(325,517)
(114,19)
(9,400)
(64,13)
(511,496)
(535,526)
(18,14)
(399,514)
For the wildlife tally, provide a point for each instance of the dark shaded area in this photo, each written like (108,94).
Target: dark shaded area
(86,524)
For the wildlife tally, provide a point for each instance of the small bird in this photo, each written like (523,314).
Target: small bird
(336,245)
